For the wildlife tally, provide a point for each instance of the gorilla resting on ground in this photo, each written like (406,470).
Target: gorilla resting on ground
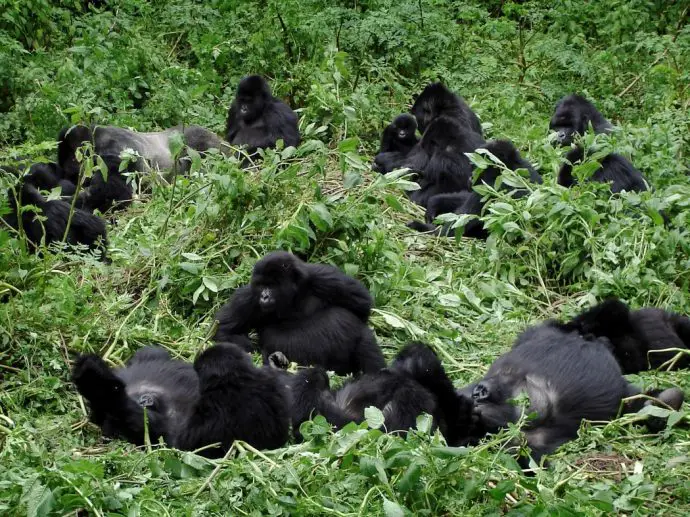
(415,383)
(313,313)
(633,334)
(154,147)
(47,176)
(222,398)
(397,141)
(50,221)
(256,119)
(572,118)
(470,202)
(435,101)
(567,378)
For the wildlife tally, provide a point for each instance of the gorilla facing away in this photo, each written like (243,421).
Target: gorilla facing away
(397,141)
(435,101)
(313,313)
(636,336)
(256,119)
(415,383)
(567,378)
(223,397)
(470,202)
(573,116)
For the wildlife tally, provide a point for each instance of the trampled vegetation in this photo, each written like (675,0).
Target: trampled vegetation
(177,253)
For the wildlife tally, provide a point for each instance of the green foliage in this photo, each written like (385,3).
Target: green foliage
(179,251)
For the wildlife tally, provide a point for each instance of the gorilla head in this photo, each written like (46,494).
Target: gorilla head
(253,93)
(573,115)
(276,281)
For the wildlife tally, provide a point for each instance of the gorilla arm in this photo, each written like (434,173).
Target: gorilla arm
(237,318)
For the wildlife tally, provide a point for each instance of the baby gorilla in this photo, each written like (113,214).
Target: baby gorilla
(222,398)
(636,337)
(313,313)
(435,101)
(470,202)
(256,119)
(415,383)
(573,116)
(398,140)
(567,378)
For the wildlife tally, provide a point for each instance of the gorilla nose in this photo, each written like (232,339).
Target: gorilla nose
(402,134)
(560,136)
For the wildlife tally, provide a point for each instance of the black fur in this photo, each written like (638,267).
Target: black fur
(397,141)
(415,383)
(573,116)
(635,333)
(256,119)
(614,169)
(107,191)
(313,313)
(47,176)
(222,398)
(435,101)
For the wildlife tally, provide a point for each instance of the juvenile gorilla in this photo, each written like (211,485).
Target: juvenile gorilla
(470,202)
(398,139)
(567,378)
(435,101)
(633,334)
(50,221)
(47,176)
(256,119)
(107,191)
(573,116)
(312,313)
(415,383)
(222,398)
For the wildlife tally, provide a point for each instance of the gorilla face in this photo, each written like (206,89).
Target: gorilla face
(275,282)
(252,96)
(567,122)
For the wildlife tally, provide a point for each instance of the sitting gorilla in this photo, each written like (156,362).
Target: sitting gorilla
(435,101)
(154,147)
(415,383)
(313,313)
(49,222)
(634,334)
(470,202)
(222,398)
(572,117)
(256,119)
(398,139)
(567,378)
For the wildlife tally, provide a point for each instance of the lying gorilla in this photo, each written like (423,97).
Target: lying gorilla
(470,202)
(397,141)
(47,176)
(49,223)
(415,383)
(256,119)
(313,313)
(573,116)
(567,378)
(222,398)
(154,147)
(636,337)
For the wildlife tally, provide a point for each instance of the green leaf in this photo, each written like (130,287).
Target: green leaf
(374,417)
(321,217)
(392,509)
(410,479)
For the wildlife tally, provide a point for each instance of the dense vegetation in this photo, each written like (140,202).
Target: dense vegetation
(177,254)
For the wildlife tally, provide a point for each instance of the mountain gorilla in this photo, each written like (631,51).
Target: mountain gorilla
(415,383)
(470,202)
(153,147)
(573,116)
(313,313)
(47,176)
(435,101)
(567,378)
(222,398)
(110,190)
(50,221)
(398,140)
(634,334)
(256,119)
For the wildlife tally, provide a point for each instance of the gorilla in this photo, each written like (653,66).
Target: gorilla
(435,101)
(636,337)
(470,202)
(47,176)
(439,159)
(573,115)
(51,218)
(572,118)
(567,378)
(152,147)
(312,313)
(415,383)
(398,140)
(223,397)
(256,119)
(110,190)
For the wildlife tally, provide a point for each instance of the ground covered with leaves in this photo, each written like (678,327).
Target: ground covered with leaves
(177,254)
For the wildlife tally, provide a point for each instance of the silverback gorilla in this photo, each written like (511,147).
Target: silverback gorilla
(312,313)
(223,397)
